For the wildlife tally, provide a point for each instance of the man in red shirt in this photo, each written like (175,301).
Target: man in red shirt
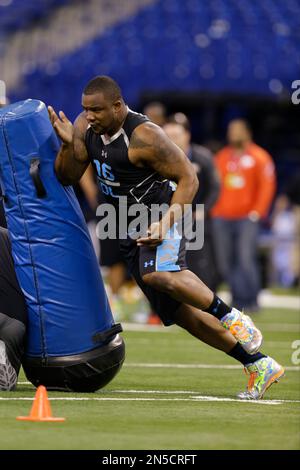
(248,187)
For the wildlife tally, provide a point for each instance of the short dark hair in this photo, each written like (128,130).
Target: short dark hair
(180,119)
(157,105)
(103,84)
(242,121)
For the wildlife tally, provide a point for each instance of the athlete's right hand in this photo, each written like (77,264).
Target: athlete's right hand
(62,126)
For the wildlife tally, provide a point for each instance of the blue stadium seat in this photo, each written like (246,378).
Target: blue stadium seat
(18,14)
(237,46)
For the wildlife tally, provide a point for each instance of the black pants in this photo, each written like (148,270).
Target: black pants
(13,316)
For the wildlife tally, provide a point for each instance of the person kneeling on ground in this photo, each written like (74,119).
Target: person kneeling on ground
(13,316)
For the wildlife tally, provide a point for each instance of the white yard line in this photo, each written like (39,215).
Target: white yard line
(185,366)
(184,341)
(196,366)
(147,328)
(286,327)
(277,344)
(189,399)
(260,402)
(268,300)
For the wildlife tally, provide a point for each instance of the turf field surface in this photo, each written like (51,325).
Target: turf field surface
(172,393)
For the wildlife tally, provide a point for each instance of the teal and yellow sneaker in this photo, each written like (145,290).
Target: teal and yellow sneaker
(243,329)
(263,373)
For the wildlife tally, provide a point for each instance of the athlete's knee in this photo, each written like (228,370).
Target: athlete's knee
(11,329)
(162,281)
(8,374)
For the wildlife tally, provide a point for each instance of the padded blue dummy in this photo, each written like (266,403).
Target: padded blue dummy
(54,258)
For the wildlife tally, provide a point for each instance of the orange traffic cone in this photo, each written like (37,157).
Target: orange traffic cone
(41,409)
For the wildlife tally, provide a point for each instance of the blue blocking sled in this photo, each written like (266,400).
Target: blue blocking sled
(72,340)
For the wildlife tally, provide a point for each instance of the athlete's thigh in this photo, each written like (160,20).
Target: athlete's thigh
(162,304)
(169,256)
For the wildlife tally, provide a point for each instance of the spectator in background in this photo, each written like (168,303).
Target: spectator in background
(285,252)
(156,112)
(201,262)
(293,192)
(248,187)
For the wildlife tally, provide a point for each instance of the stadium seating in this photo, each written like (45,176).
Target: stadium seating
(240,46)
(18,14)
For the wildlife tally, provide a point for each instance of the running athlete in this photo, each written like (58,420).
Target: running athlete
(13,316)
(133,158)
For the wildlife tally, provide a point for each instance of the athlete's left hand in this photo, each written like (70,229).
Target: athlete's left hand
(155,236)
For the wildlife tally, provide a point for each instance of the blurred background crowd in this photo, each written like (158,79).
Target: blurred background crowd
(217,75)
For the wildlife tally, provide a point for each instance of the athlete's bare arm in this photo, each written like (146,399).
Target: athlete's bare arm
(72,159)
(150,146)
(89,187)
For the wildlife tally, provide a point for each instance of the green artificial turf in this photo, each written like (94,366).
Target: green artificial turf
(149,406)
